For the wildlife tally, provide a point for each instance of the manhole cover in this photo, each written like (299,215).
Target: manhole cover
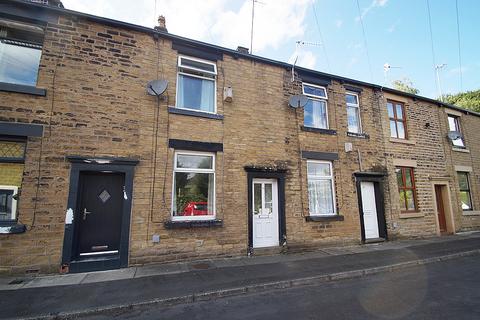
(201,266)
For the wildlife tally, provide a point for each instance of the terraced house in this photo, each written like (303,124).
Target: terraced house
(122,145)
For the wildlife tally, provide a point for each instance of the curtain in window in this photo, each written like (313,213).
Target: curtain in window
(211,195)
(180,90)
(316,114)
(320,197)
(207,96)
(353,120)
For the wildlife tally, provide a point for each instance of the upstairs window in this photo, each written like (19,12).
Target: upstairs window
(194,186)
(353,113)
(406,189)
(398,122)
(454,125)
(12,157)
(315,111)
(465,195)
(196,85)
(20,52)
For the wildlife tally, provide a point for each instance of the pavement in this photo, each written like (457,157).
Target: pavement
(81,294)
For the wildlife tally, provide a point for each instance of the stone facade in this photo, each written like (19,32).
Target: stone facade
(95,74)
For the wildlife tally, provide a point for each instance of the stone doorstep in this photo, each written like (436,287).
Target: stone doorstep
(258,288)
(14,283)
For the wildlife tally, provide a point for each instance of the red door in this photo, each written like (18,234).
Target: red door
(440,210)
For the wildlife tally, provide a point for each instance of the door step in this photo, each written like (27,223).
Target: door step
(267,251)
(375,240)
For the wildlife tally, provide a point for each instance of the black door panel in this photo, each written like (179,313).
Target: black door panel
(99,214)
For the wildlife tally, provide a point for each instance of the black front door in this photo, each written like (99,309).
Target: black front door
(99,213)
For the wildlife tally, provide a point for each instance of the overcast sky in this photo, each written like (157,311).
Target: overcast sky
(396,32)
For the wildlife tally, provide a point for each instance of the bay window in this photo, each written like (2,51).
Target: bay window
(196,85)
(321,189)
(193,186)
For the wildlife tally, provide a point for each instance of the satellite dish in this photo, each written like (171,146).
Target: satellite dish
(156,87)
(298,101)
(454,135)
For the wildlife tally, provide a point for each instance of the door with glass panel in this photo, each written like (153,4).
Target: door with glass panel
(265,213)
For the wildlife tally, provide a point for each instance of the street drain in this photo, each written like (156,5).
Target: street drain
(201,266)
(16,281)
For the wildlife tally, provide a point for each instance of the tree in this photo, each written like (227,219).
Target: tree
(405,85)
(468,100)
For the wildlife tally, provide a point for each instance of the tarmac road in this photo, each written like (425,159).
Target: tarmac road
(444,290)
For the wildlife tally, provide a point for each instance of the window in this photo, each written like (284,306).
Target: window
(20,51)
(454,125)
(315,111)
(321,189)
(353,113)
(12,155)
(398,123)
(465,196)
(406,188)
(196,85)
(193,186)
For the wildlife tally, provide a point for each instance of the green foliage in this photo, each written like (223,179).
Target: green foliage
(405,85)
(468,100)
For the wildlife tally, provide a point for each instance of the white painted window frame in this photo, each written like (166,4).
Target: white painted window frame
(211,76)
(14,201)
(188,170)
(457,124)
(355,105)
(318,98)
(331,178)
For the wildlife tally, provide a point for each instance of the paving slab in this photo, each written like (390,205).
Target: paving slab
(152,270)
(58,280)
(110,275)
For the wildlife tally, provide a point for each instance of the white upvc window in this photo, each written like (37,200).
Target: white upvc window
(321,188)
(8,202)
(353,113)
(193,196)
(454,125)
(196,85)
(315,111)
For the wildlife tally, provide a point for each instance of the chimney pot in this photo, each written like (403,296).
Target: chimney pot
(162,25)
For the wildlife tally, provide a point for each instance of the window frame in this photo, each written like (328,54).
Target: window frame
(187,170)
(396,119)
(212,77)
(317,98)
(456,120)
(13,216)
(404,188)
(469,190)
(357,105)
(331,178)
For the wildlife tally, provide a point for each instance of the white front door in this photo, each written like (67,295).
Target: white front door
(370,219)
(265,213)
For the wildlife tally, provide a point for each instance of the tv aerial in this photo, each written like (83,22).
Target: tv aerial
(157,87)
(454,135)
(298,101)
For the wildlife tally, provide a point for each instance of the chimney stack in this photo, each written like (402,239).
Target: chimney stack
(242,49)
(162,26)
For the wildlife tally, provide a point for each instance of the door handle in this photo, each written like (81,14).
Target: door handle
(85,212)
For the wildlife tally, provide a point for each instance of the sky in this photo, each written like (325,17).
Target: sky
(396,32)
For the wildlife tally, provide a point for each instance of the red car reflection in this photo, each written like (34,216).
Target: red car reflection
(196,209)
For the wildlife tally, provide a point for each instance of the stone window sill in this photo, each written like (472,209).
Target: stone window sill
(404,141)
(358,135)
(407,215)
(324,218)
(194,113)
(193,224)
(319,130)
(461,150)
(20,88)
(11,227)
(471,213)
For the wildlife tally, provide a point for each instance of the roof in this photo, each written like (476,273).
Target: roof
(199,44)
